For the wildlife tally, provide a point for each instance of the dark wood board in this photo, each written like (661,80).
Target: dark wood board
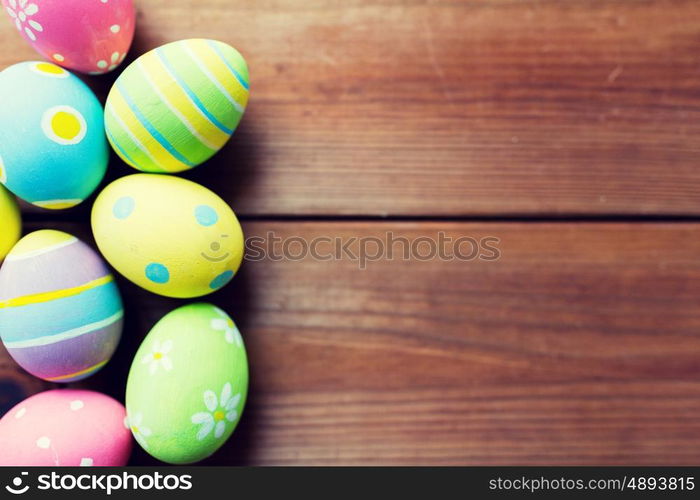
(450,107)
(580,345)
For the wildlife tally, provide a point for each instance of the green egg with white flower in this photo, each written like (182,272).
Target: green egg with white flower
(187,385)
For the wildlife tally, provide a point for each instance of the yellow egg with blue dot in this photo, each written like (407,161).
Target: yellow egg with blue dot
(177,105)
(10,221)
(168,235)
(53,150)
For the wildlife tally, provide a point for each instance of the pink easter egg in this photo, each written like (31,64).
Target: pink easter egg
(90,36)
(65,427)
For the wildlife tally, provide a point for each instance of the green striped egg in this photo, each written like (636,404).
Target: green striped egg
(177,105)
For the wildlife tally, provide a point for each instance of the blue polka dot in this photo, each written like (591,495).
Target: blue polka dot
(124,207)
(206,215)
(221,280)
(157,273)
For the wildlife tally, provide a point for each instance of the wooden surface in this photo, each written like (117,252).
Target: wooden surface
(580,345)
(452,107)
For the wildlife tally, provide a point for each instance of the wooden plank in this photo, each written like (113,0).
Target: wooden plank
(450,107)
(580,345)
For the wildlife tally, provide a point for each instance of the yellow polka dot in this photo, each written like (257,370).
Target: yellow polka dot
(65,125)
(48,69)
(57,204)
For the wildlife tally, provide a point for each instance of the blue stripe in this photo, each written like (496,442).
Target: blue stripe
(233,70)
(161,55)
(151,129)
(60,315)
(120,149)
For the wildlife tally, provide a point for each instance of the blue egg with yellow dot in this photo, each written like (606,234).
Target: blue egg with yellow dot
(53,149)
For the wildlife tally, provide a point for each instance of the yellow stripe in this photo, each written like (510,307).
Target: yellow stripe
(56,294)
(81,372)
(173,109)
(218,69)
(109,113)
(40,243)
(153,148)
(158,75)
(57,204)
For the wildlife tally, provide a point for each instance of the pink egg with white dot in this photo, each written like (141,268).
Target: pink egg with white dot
(89,36)
(65,427)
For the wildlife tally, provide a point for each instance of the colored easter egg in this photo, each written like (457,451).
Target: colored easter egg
(65,427)
(10,221)
(188,384)
(87,36)
(168,235)
(60,310)
(53,150)
(176,106)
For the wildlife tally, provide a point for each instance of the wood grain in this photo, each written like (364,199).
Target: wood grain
(580,345)
(450,107)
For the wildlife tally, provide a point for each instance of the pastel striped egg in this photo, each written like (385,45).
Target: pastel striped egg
(53,150)
(60,310)
(176,106)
